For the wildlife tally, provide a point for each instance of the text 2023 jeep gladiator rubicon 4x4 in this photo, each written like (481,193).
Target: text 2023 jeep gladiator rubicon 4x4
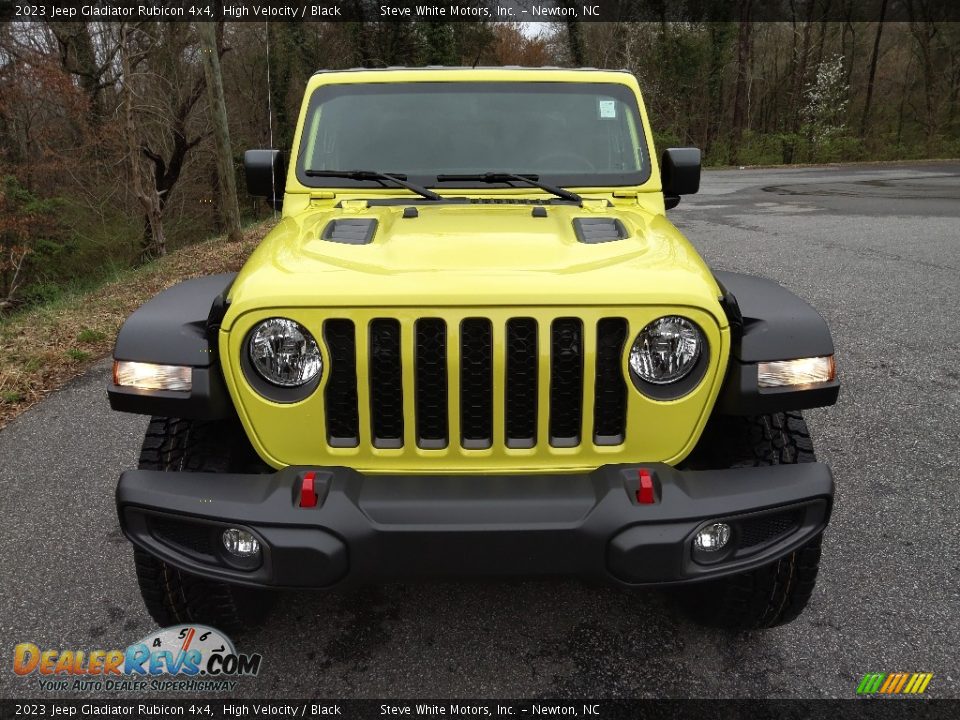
(475,345)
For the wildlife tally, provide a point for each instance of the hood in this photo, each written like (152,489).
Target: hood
(472,254)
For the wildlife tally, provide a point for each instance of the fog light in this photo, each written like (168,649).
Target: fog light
(713,537)
(240,543)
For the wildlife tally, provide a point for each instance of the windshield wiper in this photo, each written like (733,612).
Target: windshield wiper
(395,178)
(505,177)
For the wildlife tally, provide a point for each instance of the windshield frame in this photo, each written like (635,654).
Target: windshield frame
(620,91)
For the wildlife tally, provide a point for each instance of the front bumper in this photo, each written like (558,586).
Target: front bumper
(371,528)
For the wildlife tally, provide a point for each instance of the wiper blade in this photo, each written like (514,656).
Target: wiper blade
(503,177)
(395,178)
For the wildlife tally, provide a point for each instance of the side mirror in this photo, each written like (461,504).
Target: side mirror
(679,174)
(266,172)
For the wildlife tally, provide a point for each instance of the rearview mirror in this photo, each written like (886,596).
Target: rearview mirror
(679,174)
(266,172)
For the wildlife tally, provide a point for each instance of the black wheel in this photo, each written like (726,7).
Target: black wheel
(171,595)
(777,593)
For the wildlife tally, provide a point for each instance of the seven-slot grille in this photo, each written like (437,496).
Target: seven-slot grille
(469,389)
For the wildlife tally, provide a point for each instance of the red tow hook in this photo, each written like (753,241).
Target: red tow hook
(645,494)
(308,495)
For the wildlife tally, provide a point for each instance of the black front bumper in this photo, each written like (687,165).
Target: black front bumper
(371,528)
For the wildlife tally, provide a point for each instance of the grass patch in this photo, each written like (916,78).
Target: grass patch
(38,345)
(91,336)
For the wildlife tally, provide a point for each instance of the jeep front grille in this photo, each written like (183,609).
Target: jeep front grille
(493,390)
(456,374)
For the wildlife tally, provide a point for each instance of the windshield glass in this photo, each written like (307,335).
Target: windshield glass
(575,134)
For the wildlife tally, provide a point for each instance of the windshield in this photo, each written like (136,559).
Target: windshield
(575,134)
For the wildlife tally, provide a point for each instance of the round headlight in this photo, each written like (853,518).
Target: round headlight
(666,350)
(284,353)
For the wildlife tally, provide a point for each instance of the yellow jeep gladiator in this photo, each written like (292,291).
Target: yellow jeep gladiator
(474,345)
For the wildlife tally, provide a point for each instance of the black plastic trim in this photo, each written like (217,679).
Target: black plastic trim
(351,231)
(776,324)
(265,171)
(208,398)
(386,382)
(177,327)
(768,322)
(521,388)
(741,394)
(594,231)
(340,394)
(610,389)
(566,381)
(371,528)
(171,328)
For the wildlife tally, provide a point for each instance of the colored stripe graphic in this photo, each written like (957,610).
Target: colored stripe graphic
(870,683)
(894,683)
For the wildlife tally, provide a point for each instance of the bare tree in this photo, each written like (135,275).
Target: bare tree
(154,242)
(740,87)
(229,210)
(873,69)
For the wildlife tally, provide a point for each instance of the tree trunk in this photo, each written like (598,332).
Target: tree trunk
(154,242)
(800,63)
(229,210)
(873,71)
(575,39)
(740,88)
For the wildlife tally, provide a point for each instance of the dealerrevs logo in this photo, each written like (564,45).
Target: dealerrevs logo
(181,658)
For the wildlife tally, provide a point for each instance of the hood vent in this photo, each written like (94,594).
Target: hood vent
(350,232)
(598,230)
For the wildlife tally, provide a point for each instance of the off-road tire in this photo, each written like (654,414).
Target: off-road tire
(172,596)
(777,593)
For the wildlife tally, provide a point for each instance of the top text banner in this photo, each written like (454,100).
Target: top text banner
(483,10)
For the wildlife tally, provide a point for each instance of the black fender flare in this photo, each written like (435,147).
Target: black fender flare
(768,322)
(178,327)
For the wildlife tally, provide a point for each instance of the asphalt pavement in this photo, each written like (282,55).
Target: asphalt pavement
(875,248)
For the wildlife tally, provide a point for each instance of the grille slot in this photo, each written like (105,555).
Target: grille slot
(340,396)
(566,382)
(386,384)
(476,383)
(610,390)
(762,530)
(183,535)
(521,383)
(431,383)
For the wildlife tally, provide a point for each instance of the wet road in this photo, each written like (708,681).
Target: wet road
(875,248)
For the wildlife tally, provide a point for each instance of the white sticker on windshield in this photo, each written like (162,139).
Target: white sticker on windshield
(608,108)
